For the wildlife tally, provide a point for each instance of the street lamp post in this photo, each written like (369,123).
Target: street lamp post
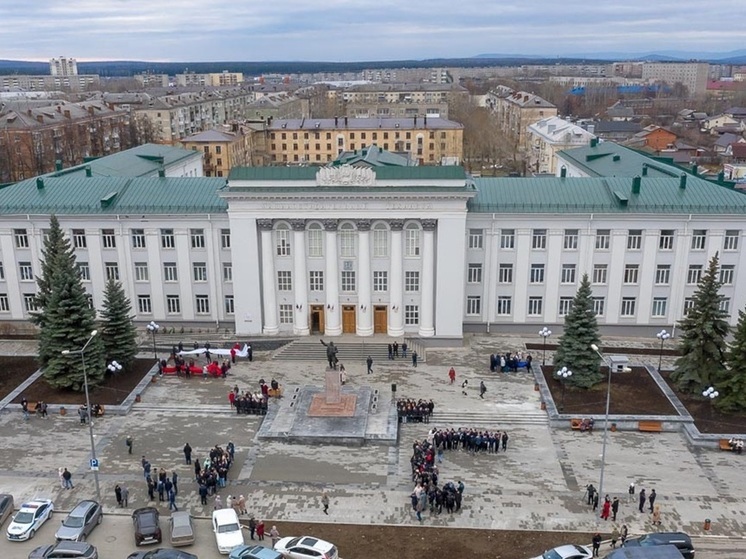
(153,328)
(81,351)
(544,333)
(563,374)
(710,393)
(114,367)
(662,336)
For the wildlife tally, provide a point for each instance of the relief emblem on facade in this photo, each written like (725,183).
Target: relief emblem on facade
(345,175)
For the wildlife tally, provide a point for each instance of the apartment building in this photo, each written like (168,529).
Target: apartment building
(221,150)
(692,75)
(152,80)
(63,66)
(550,136)
(215,79)
(515,112)
(25,82)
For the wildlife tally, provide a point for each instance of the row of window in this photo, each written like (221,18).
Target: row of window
(348,281)
(536,306)
(603,239)
(363,135)
(137,237)
(142,272)
(411,314)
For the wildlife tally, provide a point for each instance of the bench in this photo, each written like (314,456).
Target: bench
(650,426)
(575,424)
(32,407)
(725,445)
(272,393)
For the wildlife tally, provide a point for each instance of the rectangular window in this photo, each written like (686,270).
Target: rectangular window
(21,238)
(725,305)
(476,238)
(227,272)
(173,304)
(699,239)
(665,241)
(225,238)
(631,274)
(473,305)
(199,271)
(169,272)
(286,314)
(411,281)
(138,238)
(694,274)
(537,273)
(599,305)
(347,243)
(411,315)
(603,237)
(568,273)
(380,282)
(202,304)
(29,302)
(380,243)
(726,274)
(143,304)
(662,274)
(660,304)
(167,238)
(688,304)
(504,305)
(535,306)
(141,271)
(25,271)
(197,237)
(315,243)
(730,241)
(634,239)
(599,274)
(316,281)
(571,239)
(79,240)
(284,281)
(2,271)
(4,303)
(505,273)
(475,273)
(539,239)
(282,240)
(565,305)
(412,242)
(108,238)
(112,271)
(628,306)
(85,271)
(228,305)
(507,238)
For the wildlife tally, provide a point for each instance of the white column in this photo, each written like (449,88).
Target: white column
(427,311)
(268,278)
(364,309)
(300,325)
(332,324)
(396,311)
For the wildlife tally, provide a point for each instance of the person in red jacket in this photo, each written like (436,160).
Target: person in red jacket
(452,375)
(232,398)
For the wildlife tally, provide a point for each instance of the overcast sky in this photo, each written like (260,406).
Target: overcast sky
(352,30)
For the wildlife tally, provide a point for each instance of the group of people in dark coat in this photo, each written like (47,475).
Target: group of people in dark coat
(471,440)
(510,362)
(425,475)
(213,473)
(414,411)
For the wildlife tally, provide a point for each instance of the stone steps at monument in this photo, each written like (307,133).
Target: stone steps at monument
(488,419)
(303,350)
(171,408)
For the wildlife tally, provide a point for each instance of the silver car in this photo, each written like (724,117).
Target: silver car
(181,528)
(65,550)
(80,522)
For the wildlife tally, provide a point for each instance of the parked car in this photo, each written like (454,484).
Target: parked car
(181,529)
(567,552)
(228,534)
(254,552)
(306,547)
(162,553)
(679,539)
(147,525)
(6,507)
(29,519)
(80,522)
(65,550)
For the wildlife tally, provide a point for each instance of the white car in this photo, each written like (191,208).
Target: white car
(29,518)
(568,552)
(306,547)
(227,530)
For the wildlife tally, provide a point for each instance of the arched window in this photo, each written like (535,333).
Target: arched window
(412,240)
(315,236)
(380,240)
(282,239)
(347,237)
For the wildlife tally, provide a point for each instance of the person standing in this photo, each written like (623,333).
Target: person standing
(606,509)
(188,453)
(118,494)
(651,499)
(482,389)
(218,503)
(129,442)
(404,350)
(452,375)
(325,502)
(464,386)
(125,496)
(504,440)
(623,534)
(61,471)
(68,479)
(252,526)
(172,500)
(657,515)
(396,349)
(614,508)
(642,500)
(242,504)
(260,530)
(151,488)
(203,494)
(614,537)
(391,351)
(596,543)
(529,359)
(414,358)
(369,362)
(274,533)
(175,482)
(631,491)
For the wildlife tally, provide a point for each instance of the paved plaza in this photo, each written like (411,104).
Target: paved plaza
(537,485)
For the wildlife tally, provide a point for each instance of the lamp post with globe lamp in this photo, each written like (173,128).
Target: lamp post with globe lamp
(544,333)
(710,393)
(563,374)
(662,336)
(153,328)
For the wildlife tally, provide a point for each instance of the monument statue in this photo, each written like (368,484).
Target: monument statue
(331,354)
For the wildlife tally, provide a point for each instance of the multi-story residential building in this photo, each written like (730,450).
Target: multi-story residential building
(77,82)
(63,66)
(692,75)
(430,141)
(549,136)
(221,150)
(278,105)
(216,79)
(361,109)
(153,80)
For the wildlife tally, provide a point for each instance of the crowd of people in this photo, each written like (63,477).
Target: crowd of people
(159,482)
(414,411)
(213,472)
(510,362)
(469,439)
(425,476)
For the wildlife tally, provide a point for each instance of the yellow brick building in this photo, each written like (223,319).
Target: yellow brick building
(221,150)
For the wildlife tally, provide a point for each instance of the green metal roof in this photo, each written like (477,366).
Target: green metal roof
(449,172)
(113,195)
(608,159)
(604,195)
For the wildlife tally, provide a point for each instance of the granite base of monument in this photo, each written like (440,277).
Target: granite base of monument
(304,416)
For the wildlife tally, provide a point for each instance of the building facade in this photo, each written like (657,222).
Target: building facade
(63,66)
(221,150)
(549,136)
(692,75)
(515,111)
(25,82)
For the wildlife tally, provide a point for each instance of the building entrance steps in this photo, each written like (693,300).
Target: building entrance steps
(349,349)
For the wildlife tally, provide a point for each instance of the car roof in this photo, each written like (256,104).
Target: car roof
(35,504)
(570,549)
(315,543)
(144,510)
(264,552)
(77,546)
(180,517)
(225,515)
(83,507)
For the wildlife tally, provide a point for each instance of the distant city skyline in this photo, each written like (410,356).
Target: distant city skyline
(358,30)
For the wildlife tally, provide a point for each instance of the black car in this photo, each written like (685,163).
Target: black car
(147,526)
(678,539)
(162,553)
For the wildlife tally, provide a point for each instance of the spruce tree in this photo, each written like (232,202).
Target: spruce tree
(732,386)
(118,333)
(55,244)
(703,331)
(581,331)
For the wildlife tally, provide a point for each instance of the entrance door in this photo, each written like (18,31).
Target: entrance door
(348,319)
(380,320)
(317,319)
